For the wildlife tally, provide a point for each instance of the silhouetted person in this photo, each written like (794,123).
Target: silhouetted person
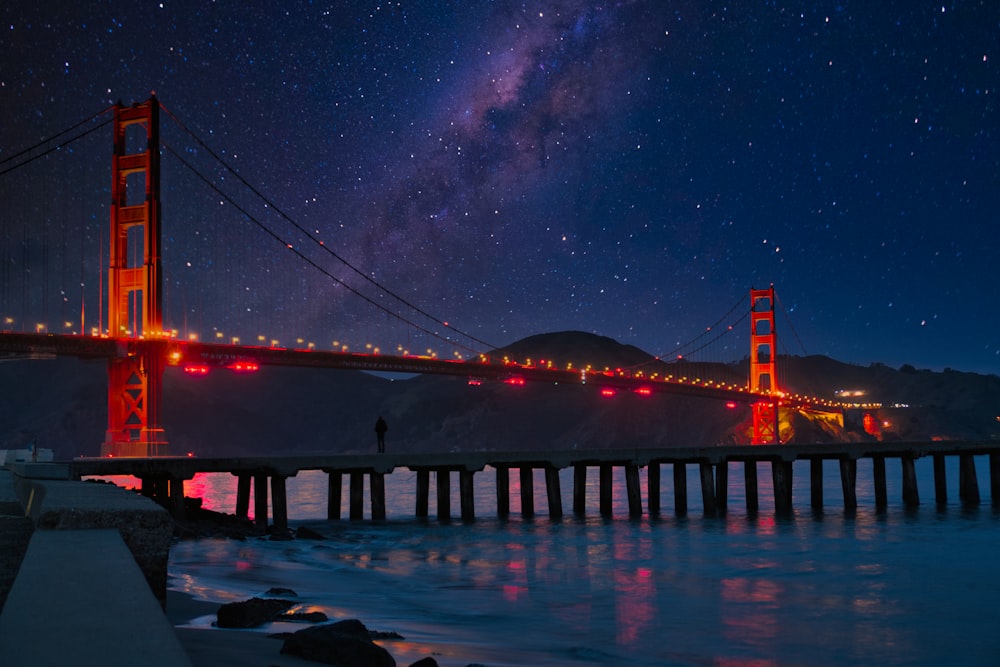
(380,428)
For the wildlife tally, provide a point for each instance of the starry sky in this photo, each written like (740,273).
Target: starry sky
(627,168)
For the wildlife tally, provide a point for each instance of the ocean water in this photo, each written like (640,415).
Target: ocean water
(894,587)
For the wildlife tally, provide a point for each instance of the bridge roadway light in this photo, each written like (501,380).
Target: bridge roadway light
(219,335)
(39,327)
(193,337)
(236,340)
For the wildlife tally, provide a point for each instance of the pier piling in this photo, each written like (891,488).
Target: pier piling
(503,491)
(911,494)
(848,482)
(680,489)
(334,486)
(553,490)
(653,488)
(467,495)
(878,478)
(968,485)
(750,484)
(940,480)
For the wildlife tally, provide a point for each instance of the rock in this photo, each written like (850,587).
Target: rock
(345,644)
(250,613)
(425,662)
(304,533)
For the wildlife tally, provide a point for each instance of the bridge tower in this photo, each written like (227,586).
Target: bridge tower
(763,356)
(135,377)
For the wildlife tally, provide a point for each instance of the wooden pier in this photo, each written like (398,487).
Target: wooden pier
(163,477)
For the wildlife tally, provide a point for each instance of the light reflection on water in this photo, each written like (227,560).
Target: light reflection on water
(898,587)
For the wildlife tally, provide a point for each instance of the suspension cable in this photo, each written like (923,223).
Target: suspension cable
(680,348)
(309,261)
(788,320)
(322,245)
(53,148)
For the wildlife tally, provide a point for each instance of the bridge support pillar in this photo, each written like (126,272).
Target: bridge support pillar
(527,491)
(334,489)
(653,488)
(680,488)
(443,478)
(848,482)
(579,489)
(911,494)
(606,489)
(467,494)
(968,485)
(503,492)
(135,377)
(553,490)
(781,474)
(881,491)
(940,480)
(750,484)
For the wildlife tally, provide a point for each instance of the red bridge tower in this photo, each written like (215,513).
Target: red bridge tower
(135,377)
(763,375)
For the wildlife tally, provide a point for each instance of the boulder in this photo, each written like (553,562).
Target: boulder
(345,644)
(250,613)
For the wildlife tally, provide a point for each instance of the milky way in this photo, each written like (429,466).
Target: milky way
(625,168)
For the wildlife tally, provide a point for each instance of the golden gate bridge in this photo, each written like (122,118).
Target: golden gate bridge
(137,346)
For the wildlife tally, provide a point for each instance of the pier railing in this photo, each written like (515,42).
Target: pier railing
(163,477)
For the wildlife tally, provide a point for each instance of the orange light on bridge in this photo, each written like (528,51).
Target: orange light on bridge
(244,367)
(196,369)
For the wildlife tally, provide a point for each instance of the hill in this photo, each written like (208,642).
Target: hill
(61,403)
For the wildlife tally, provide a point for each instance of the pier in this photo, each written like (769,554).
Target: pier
(163,478)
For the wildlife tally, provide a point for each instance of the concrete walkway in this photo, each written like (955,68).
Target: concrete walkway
(79,595)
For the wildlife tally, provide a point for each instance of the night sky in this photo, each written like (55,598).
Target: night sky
(626,168)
